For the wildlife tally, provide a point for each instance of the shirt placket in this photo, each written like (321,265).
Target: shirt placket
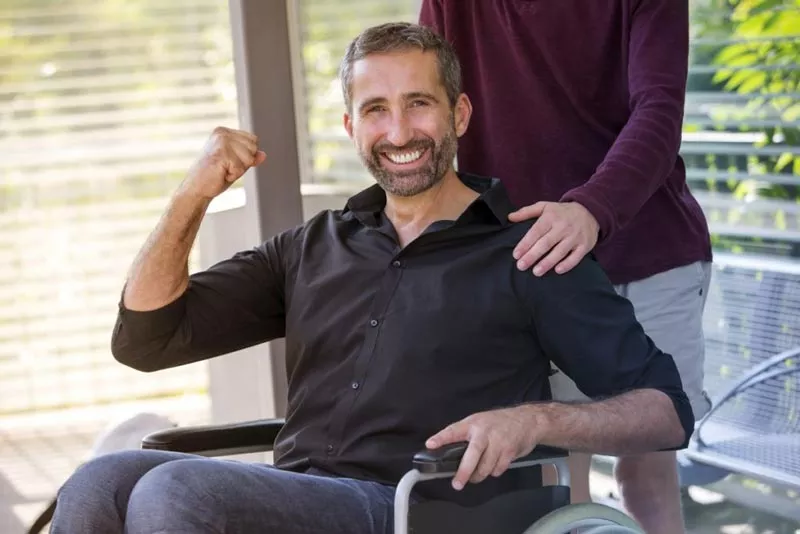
(347,399)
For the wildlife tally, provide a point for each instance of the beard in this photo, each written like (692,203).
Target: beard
(412,182)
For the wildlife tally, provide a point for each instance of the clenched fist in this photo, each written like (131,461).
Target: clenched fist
(226,157)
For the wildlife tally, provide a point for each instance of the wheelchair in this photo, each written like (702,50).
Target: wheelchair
(537,510)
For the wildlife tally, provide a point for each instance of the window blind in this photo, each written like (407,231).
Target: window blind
(741,141)
(103,107)
(326,28)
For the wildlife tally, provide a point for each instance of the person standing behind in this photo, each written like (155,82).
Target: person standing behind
(578,109)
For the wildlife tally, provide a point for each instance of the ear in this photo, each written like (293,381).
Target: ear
(348,124)
(462,114)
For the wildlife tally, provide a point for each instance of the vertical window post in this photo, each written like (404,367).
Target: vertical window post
(263,67)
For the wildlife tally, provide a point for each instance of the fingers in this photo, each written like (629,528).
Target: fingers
(223,138)
(539,229)
(503,463)
(250,146)
(455,433)
(242,153)
(557,253)
(237,160)
(485,456)
(227,154)
(230,133)
(495,440)
(546,243)
(528,212)
(572,260)
(469,462)
(487,463)
(247,135)
(451,434)
(245,152)
(555,241)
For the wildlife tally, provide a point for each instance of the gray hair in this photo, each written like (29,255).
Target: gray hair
(401,36)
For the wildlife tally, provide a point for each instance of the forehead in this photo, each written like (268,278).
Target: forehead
(390,74)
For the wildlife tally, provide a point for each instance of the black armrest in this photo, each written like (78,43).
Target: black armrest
(217,440)
(446,459)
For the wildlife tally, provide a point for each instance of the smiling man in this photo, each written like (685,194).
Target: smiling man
(406,326)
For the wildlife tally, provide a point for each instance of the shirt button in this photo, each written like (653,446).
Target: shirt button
(397,263)
(354,385)
(373,323)
(329,448)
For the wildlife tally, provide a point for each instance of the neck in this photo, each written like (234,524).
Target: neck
(447,200)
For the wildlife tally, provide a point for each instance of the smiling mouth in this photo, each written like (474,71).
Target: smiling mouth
(405,158)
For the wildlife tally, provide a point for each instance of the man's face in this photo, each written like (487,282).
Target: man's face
(401,121)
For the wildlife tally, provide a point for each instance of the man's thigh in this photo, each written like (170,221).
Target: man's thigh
(243,497)
(669,307)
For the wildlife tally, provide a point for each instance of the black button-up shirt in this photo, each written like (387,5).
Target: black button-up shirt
(386,345)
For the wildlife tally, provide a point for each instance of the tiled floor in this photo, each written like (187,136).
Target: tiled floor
(38,452)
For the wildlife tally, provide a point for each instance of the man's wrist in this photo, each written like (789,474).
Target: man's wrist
(186,194)
(538,421)
(598,210)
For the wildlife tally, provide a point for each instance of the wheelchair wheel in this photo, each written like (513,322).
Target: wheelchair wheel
(595,518)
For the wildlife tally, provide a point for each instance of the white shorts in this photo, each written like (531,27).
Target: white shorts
(669,306)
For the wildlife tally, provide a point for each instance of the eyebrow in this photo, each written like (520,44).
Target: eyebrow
(420,94)
(407,96)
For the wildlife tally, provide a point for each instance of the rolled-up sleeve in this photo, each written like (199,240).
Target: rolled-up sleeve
(591,333)
(234,304)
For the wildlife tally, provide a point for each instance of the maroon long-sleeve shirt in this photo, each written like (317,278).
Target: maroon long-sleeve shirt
(582,100)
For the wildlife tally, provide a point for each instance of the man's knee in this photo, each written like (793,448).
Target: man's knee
(94,498)
(181,492)
(105,474)
(182,478)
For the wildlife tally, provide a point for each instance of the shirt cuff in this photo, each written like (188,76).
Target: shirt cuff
(152,323)
(599,210)
(685,414)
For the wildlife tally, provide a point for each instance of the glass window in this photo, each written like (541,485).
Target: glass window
(326,28)
(103,107)
(741,138)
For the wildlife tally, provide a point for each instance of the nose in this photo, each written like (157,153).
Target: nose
(400,131)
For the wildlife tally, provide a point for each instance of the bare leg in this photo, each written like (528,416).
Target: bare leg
(579,466)
(649,488)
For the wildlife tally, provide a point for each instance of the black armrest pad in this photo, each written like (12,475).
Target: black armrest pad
(199,439)
(446,459)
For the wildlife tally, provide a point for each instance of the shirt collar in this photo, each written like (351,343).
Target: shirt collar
(367,204)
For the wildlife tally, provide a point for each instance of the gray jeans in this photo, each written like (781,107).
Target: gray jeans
(151,492)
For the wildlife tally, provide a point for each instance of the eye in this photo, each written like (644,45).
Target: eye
(418,103)
(375,109)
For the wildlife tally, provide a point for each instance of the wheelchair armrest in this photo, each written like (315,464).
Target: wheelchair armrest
(217,440)
(446,459)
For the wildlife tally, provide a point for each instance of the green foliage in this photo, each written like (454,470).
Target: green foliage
(759,60)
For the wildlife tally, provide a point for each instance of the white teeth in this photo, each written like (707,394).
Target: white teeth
(406,157)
